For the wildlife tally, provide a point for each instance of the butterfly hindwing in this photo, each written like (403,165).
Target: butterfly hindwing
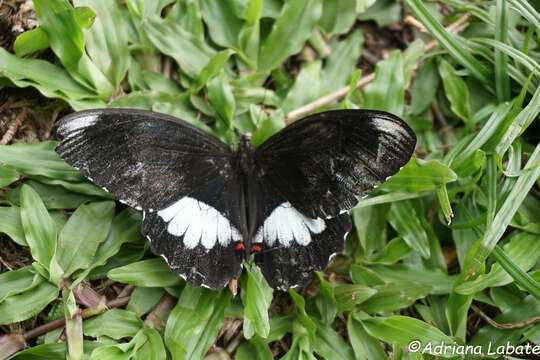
(146,159)
(198,240)
(321,163)
(292,245)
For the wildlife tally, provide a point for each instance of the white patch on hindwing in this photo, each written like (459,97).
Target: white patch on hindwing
(198,223)
(286,224)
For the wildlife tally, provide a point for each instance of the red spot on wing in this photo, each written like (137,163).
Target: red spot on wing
(255,248)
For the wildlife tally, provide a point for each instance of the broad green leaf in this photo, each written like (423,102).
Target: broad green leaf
(143,299)
(387,91)
(440,282)
(395,250)
(325,301)
(348,296)
(28,303)
(255,348)
(249,37)
(212,68)
(302,315)
(404,220)
(329,345)
(456,91)
(8,175)
(291,29)
(24,157)
(106,41)
(114,323)
(153,348)
(58,21)
(523,249)
(223,24)
(39,228)
(147,273)
(383,12)
(86,187)
(394,296)
(73,326)
(257,299)
(51,351)
(49,79)
(190,52)
(80,238)
(269,126)
(129,253)
(191,327)
(364,345)
(305,88)
(411,57)
(53,197)
(125,227)
(221,97)
(342,63)
(424,87)
(337,16)
(10,224)
(420,175)
(401,330)
(30,41)
(143,8)
(17,281)
(370,224)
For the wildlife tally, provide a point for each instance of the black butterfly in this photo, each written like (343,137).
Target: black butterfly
(207,206)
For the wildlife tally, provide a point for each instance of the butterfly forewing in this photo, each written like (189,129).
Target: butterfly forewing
(180,176)
(148,160)
(321,163)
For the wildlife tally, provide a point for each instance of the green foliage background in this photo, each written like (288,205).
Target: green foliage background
(224,66)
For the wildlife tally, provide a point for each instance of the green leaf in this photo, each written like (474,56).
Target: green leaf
(147,273)
(387,91)
(329,345)
(114,323)
(17,281)
(85,230)
(291,29)
(305,88)
(302,315)
(30,41)
(383,12)
(522,250)
(402,330)
(424,87)
(212,68)
(10,224)
(370,224)
(125,228)
(58,21)
(338,16)
(7,176)
(342,63)
(49,79)
(456,91)
(190,52)
(325,301)
(223,25)
(107,41)
(269,126)
(364,345)
(394,296)
(394,251)
(54,197)
(452,43)
(255,348)
(39,228)
(195,321)
(420,175)
(221,97)
(143,299)
(24,157)
(257,299)
(404,220)
(28,303)
(348,296)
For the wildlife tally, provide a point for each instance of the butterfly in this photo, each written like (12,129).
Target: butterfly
(208,206)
